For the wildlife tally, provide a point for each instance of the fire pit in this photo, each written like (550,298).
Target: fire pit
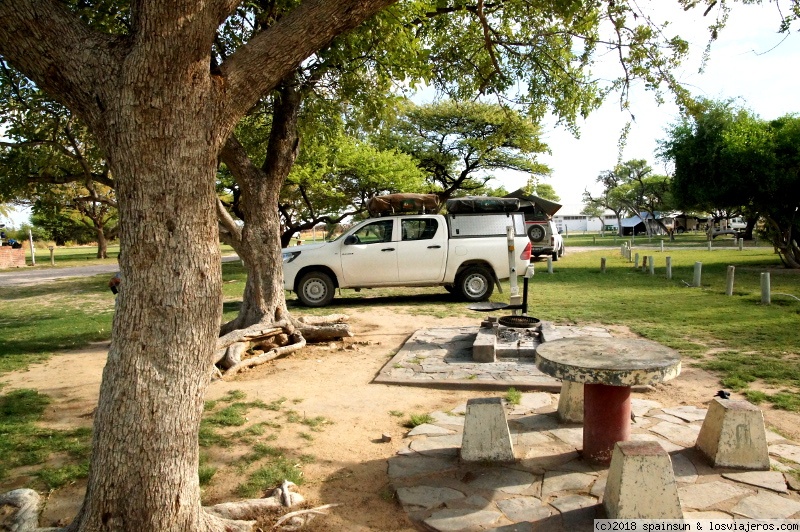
(518,322)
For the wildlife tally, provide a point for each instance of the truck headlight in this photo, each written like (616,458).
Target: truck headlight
(289,256)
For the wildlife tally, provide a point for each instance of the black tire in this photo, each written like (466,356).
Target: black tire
(451,288)
(315,289)
(475,283)
(536,233)
(555,256)
(561,251)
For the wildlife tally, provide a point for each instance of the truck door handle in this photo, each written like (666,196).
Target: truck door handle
(387,249)
(434,247)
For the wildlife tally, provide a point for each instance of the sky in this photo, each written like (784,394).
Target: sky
(750,60)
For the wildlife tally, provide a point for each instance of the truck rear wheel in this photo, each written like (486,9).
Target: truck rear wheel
(475,283)
(315,289)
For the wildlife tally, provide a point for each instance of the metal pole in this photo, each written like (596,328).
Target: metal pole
(662,245)
(652,265)
(741,244)
(698,272)
(729,281)
(33,249)
(669,267)
(636,261)
(709,245)
(765,289)
(549,264)
(512,261)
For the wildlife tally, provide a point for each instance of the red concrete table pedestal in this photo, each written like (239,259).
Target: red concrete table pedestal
(606,420)
(607,367)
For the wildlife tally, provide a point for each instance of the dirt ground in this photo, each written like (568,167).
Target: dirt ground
(329,380)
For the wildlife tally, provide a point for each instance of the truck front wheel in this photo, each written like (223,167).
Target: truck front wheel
(315,289)
(475,283)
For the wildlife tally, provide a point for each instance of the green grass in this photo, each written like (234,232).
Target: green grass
(23,442)
(415,420)
(513,396)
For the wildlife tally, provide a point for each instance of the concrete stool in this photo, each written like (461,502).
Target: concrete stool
(733,435)
(641,484)
(486,434)
(570,402)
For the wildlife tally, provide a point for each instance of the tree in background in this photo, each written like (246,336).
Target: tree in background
(632,188)
(542,190)
(727,159)
(458,144)
(49,160)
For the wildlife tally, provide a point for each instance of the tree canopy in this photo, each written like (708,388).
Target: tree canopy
(728,159)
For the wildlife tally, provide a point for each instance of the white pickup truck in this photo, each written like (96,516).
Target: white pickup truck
(466,253)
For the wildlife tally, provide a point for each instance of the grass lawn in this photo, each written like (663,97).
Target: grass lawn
(752,346)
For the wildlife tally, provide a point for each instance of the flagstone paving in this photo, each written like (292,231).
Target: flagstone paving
(550,488)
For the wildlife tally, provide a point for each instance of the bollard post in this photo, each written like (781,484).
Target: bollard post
(623,251)
(698,271)
(662,245)
(741,244)
(669,267)
(765,289)
(709,245)
(549,264)
(602,265)
(636,262)
(729,281)
(652,265)
(52,255)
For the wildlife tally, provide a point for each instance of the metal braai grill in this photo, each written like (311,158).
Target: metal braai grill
(519,322)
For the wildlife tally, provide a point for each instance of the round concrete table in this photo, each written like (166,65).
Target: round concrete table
(607,367)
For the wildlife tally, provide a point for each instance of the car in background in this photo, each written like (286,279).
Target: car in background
(545,238)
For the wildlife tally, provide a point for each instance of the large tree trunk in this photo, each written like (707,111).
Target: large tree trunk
(259,244)
(145,450)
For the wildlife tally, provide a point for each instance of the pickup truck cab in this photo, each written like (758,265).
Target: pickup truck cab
(466,253)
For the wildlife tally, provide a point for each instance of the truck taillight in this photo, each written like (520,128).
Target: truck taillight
(526,253)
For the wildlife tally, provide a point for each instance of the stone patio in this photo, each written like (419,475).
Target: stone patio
(549,487)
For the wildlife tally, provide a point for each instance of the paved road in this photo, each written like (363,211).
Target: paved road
(30,276)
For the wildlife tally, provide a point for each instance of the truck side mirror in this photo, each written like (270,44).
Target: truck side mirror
(350,240)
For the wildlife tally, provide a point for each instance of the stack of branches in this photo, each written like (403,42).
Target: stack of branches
(260,343)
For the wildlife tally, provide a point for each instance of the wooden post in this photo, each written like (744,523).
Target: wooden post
(52,255)
(549,264)
(644,263)
(602,265)
(669,267)
(765,289)
(729,281)
(652,266)
(698,272)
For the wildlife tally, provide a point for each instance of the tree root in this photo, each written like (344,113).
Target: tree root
(300,343)
(278,338)
(239,516)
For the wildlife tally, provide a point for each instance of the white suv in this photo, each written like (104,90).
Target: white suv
(545,238)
